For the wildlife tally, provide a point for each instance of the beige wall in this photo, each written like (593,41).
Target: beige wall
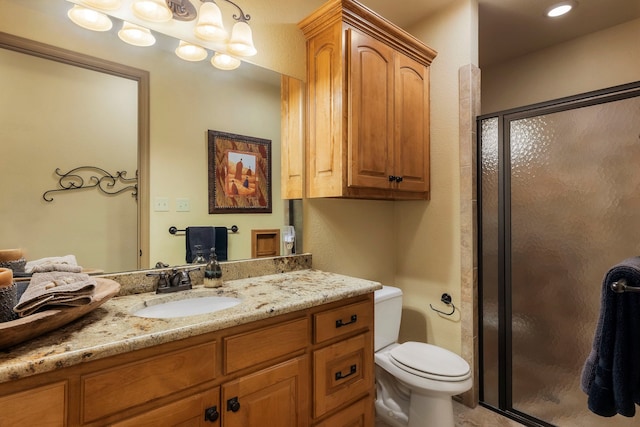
(47,123)
(187,99)
(599,60)
(412,245)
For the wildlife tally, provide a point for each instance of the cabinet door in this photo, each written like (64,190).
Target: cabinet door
(371,112)
(202,409)
(359,414)
(274,397)
(42,406)
(411,143)
(324,154)
(292,137)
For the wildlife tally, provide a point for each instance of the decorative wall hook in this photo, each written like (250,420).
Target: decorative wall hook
(445,298)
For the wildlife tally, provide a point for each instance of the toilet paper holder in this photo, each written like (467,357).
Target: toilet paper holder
(445,298)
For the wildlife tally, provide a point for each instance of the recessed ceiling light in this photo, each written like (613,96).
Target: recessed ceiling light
(560,9)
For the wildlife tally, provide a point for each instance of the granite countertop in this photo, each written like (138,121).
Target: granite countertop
(111,329)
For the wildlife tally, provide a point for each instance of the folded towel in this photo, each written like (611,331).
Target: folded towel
(54,289)
(611,373)
(208,237)
(42,263)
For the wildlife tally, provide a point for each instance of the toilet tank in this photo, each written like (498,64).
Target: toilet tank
(388,310)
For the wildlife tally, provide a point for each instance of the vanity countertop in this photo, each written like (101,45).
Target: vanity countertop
(111,329)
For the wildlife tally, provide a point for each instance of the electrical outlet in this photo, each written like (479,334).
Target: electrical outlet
(161,204)
(183,205)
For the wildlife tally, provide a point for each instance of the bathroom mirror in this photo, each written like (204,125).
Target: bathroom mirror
(186,100)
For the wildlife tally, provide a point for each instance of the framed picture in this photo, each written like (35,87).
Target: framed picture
(239,173)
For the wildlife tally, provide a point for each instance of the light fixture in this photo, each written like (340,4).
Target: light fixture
(560,9)
(89,19)
(152,10)
(223,61)
(197,26)
(190,52)
(241,42)
(103,4)
(136,35)
(209,26)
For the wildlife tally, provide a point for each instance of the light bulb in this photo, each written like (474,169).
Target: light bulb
(209,26)
(136,35)
(89,19)
(223,61)
(190,52)
(241,42)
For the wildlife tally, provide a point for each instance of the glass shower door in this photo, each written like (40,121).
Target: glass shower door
(560,205)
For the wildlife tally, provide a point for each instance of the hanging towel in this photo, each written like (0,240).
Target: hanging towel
(208,237)
(611,373)
(55,289)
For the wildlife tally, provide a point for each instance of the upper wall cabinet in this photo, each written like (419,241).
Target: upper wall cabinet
(367,130)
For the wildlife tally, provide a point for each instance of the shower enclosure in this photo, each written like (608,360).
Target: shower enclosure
(559,193)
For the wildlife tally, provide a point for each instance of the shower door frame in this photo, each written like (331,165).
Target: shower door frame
(602,96)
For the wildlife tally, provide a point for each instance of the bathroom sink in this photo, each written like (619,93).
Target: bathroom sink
(186,307)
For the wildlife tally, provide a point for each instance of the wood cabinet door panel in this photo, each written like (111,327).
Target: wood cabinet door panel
(324,162)
(342,371)
(342,320)
(411,124)
(251,348)
(359,414)
(114,390)
(371,111)
(42,406)
(274,397)
(187,412)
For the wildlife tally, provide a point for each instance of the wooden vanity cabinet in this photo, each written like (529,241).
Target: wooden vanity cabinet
(368,106)
(280,371)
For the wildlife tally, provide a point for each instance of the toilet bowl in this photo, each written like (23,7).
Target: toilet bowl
(414,381)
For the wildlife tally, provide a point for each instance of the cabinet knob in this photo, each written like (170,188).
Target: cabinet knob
(399,179)
(392,178)
(233,405)
(211,414)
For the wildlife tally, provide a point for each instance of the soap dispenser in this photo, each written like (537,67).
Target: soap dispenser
(213,271)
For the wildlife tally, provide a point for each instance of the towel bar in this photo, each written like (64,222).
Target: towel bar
(174,230)
(621,286)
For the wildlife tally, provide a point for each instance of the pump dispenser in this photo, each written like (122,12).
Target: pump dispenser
(213,271)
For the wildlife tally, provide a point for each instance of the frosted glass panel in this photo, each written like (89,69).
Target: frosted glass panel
(489,230)
(575,210)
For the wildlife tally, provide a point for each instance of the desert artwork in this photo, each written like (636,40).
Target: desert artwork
(240,177)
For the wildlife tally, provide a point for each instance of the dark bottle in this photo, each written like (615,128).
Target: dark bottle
(212,271)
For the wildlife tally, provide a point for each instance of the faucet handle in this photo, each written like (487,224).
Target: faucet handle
(163,278)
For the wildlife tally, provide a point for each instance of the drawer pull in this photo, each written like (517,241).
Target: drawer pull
(340,323)
(211,414)
(233,405)
(352,370)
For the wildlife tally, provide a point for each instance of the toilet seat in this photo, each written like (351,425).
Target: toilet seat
(429,361)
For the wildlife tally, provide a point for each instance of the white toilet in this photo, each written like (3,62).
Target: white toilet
(414,381)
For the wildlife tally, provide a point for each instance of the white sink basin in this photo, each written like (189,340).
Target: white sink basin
(187,307)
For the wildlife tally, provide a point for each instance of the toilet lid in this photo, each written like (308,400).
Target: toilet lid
(430,361)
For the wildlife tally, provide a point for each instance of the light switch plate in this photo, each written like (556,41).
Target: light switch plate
(161,204)
(183,205)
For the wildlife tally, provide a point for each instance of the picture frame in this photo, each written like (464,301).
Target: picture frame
(239,173)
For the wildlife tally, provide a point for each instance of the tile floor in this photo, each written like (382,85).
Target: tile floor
(476,417)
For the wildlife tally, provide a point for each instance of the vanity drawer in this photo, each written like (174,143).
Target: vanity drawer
(343,320)
(342,372)
(114,390)
(251,348)
(44,406)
